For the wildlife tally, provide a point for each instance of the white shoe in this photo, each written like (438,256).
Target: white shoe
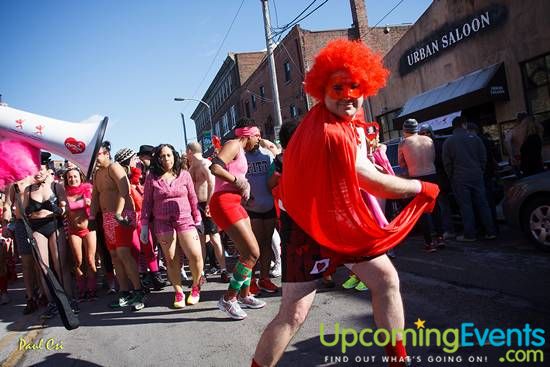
(250,302)
(231,309)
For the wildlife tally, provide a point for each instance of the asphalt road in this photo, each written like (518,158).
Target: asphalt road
(497,284)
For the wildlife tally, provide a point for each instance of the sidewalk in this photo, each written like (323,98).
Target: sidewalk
(510,265)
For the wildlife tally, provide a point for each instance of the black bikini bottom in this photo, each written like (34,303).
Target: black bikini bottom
(44,226)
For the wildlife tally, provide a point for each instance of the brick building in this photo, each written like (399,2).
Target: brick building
(293,55)
(486,60)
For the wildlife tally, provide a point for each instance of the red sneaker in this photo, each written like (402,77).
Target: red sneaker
(267,285)
(254,289)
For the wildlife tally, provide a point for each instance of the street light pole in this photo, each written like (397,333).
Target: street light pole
(184,130)
(179,99)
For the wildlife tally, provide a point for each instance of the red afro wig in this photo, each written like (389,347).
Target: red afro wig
(363,65)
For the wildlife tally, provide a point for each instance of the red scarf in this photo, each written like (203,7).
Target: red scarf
(84,190)
(321,193)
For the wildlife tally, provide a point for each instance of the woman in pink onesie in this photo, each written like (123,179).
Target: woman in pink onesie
(170,203)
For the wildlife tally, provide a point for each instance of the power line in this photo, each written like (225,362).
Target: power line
(219,49)
(388,13)
(280,31)
(276,15)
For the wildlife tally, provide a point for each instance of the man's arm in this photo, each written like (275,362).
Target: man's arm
(123,186)
(384,185)
(210,181)
(400,156)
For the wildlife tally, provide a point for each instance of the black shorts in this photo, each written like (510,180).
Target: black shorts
(44,226)
(270,214)
(303,258)
(209,226)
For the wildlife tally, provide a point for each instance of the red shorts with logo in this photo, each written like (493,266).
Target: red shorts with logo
(226,209)
(118,235)
(303,258)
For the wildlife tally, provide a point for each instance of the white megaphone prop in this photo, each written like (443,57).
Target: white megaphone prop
(76,142)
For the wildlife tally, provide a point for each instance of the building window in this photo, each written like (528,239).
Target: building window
(247,109)
(225,120)
(262,91)
(233,111)
(536,84)
(217,129)
(287,71)
(253,100)
(293,111)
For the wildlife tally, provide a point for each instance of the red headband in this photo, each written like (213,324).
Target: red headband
(246,132)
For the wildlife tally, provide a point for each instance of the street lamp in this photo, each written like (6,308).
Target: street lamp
(179,99)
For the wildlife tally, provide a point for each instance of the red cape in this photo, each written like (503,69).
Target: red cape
(320,189)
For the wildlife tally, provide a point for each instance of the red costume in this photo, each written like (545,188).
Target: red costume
(319,184)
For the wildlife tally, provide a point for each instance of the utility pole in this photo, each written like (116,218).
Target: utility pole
(272,72)
(184,130)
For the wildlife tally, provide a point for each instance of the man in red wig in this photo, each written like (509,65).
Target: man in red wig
(325,222)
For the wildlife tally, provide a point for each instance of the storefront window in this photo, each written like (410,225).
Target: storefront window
(388,129)
(536,82)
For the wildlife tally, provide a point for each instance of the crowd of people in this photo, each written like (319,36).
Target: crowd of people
(143,213)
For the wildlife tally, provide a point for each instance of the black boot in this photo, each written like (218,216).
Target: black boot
(157,281)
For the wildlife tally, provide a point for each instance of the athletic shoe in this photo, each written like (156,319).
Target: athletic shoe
(75,307)
(440,243)
(465,239)
(194,296)
(490,236)
(328,282)
(157,281)
(231,309)
(225,277)
(30,307)
(136,300)
(254,289)
(361,287)
(250,302)
(4,299)
(202,280)
(351,282)
(179,300)
(267,285)
(449,235)
(51,311)
(121,301)
(92,295)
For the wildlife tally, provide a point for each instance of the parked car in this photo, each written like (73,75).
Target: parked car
(527,206)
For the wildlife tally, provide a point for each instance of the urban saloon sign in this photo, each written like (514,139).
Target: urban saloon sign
(448,36)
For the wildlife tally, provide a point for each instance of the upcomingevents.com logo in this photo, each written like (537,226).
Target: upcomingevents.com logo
(522,345)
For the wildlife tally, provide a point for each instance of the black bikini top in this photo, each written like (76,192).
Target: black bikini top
(35,206)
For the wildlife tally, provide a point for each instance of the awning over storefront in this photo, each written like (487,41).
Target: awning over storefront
(442,122)
(478,87)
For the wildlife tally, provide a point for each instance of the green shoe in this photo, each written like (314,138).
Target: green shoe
(136,300)
(351,282)
(361,287)
(121,301)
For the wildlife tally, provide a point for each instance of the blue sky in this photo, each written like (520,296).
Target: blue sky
(128,59)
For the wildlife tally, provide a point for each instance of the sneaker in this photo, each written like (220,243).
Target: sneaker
(250,302)
(92,295)
(254,289)
(490,236)
(157,281)
(225,277)
(213,271)
(4,299)
(121,301)
(231,309)
(30,307)
(440,243)
(202,280)
(179,300)
(75,307)
(351,282)
(267,285)
(51,312)
(194,296)
(361,287)
(136,300)
(465,239)
(328,282)
(430,247)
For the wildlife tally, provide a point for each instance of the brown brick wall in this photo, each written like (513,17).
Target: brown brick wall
(247,62)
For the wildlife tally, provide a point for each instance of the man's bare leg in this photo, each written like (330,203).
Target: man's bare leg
(383,281)
(216,242)
(295,304)
(130,266)
(120,272)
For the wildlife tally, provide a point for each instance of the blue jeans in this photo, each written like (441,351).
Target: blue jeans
(469,195)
